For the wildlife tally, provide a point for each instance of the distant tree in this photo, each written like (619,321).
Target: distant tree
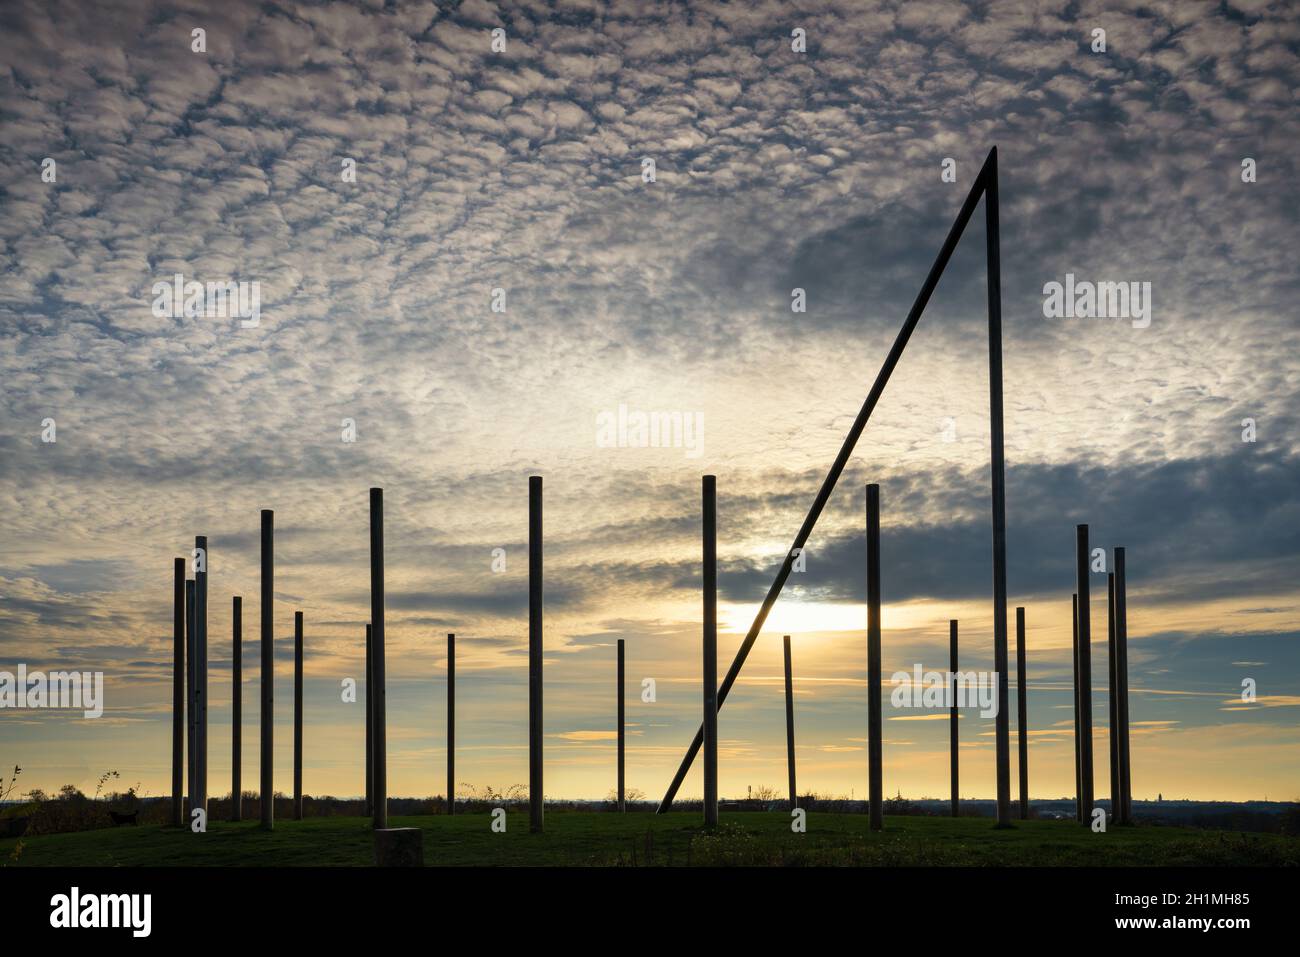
(1291,820)
(7,786)
(629,794)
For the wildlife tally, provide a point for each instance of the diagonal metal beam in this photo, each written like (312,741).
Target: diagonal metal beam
(987,178)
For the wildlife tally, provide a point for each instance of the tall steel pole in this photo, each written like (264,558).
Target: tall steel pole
(710,670)
(1082,556)
(1078,736)
(370,731)
(1022,717)
(875,751)
(952,713)
(536,795)
(201,672)
(789,723)
(191,697)
(297,716)
(379,712)
(1121,647)
(268,670)
(622,796)
(178,692)
(1112,703)
(451,723)
(237,711)
(841,460)
(998,475)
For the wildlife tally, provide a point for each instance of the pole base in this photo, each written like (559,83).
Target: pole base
(399,847)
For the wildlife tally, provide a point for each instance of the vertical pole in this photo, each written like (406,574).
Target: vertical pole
(1078,747)
(1121,668)
(1022,714)
(201,672)
(237,709)
(379,793)
(1112,715)
(994,268)
(267,786)
(451,724)
(370,708)
(710,671)
(297,716)
(952,712)
(789,724)
(622,795)
(535,792)
(874,723)
(1082,557)
(178,692)
(191,711)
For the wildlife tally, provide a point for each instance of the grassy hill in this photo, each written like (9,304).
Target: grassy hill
(605,839)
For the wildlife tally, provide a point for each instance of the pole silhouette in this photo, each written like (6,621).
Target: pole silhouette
(997,469)
(710,670)
(984,185)
(178,692)
(1078,747)
(536,807)
(268,670)
(1112,703)
(1022,714)
(370,709)
(952,713)
(236,705)
(622,796)
(297,716)
(378,715)
(789,723)
(1121,647)
(201,671)
(1085,669)
(191,711)
(451,723)
(874,720)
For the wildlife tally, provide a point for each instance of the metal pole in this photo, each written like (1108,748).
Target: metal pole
(535,792)
(998,469)
(1112,716)
(178,692)
(789,723)
(268,670)
(297,716)
(710,671)
(370,707)
(1022,717)
(952,712)
(1121,647)
(874,729)
(622,795)
(191,712)
(1085,669)
(451,723)
(201,672)
(378,716)
(237,709)
(841,460)
(1078,748)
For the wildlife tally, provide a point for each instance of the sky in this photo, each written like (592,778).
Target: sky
(387,178)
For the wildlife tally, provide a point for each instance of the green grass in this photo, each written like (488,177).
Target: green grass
(588,838)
